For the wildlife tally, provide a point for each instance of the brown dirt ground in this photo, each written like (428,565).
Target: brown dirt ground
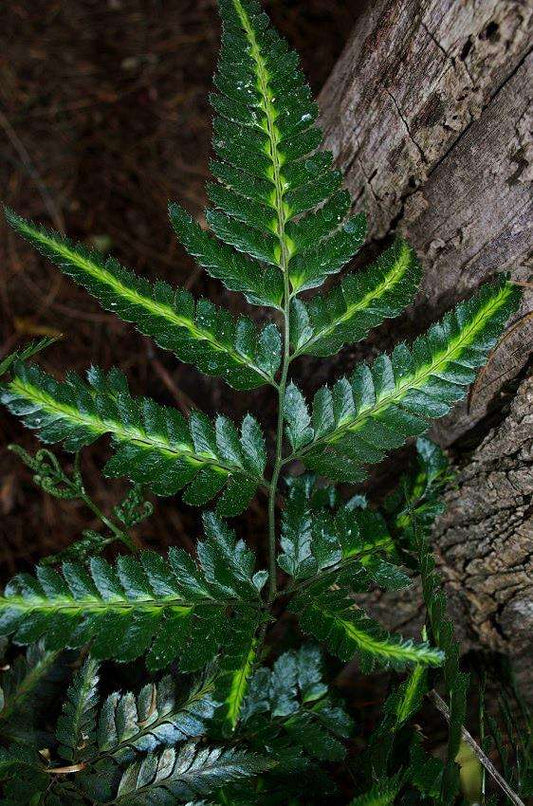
(103,118)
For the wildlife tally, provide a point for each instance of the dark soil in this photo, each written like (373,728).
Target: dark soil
(103,118)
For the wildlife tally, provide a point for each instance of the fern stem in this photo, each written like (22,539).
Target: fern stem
(279,453)
(119,534)
(279,206)
(443,708)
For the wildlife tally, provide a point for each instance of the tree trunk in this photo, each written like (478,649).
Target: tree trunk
(426,112)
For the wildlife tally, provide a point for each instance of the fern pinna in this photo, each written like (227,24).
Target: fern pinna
(241,732)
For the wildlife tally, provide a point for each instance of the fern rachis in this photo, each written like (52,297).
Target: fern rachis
(280,225)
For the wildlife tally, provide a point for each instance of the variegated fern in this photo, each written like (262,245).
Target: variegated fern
(280,225)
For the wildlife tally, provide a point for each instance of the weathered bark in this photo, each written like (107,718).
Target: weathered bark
(427,114)
(484,545)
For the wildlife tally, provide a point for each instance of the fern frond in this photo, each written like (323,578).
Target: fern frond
(25,353)
(154,444)
(76,727)
(296,699)
(410,694)
(360,302)
(318,539)
(332,617)
(269,173)
(154,717)
(310,673)
(236,669)
(194,771)
(145,604)
(297,535)
(361,419)
(309,269)
(237,271)
(24,686)
(381,794)
(197,332)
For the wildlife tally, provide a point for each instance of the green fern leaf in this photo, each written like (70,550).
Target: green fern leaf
(283,686)
(298,692)
(197,332)
(359,421)
(26,684)
(236,669)
(361,301)
(76,727)
(180,776)
(310,673)
(381,794)
(297,535)
(154,444)
(295,698)
(237,271)
(410,695)
(331,616)
(297,417)
(146,604)
(309,269)
(269,172)
(319,539)
(154,717)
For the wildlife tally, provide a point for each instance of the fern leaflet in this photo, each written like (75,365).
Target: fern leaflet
(143,605)
(75,730)
(331,616)
(360,302)
(360,419)
(153,444)
(197,332)
(155,717)
(180,776)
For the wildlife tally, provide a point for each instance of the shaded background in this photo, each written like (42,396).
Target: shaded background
(103,118)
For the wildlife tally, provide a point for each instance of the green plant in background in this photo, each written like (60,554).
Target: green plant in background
(208,721)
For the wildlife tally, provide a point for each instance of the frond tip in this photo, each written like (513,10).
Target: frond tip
(332,617)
